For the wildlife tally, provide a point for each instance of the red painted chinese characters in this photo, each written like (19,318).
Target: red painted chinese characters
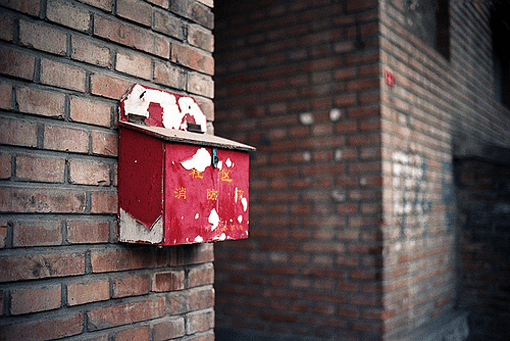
(178,186)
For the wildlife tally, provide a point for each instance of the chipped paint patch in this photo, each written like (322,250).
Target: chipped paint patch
(134,231)
(335,114)
(214,219)
(199,239)
(199,161)
(244,201)
(221,237)
(228,163)
(240,219)
(306,118)
(197,216)
(167,109)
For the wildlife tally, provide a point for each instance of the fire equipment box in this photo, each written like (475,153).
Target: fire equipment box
(177,184)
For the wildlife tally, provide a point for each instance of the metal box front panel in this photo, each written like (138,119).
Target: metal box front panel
(205,202)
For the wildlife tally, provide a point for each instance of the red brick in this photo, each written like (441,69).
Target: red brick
(201,275)
(169,329)
(168,281)
(5,166)
(167,74)
(160,3)
(102,4)
(3,235)
(104,143)
(138,11)
(201,38)
(31,7)
(107,86)
(54,327)
(44,169)
(35,266)
(5,96)
(208,3)
(6,27)
(40,102)
(38,200)
(200,321)
(88,291)
(62,75)
(89,51)
(122,314)
(66,139)
(113,259)
(168,24)
(42,37)
(207,106)
(194,59)
(88,172)
(141,333)
(133,285)
(33,299)
(200,84)
(131,36)
(37,233)
(87,231)
(134,64)
(68,14)
(17,64)
(194,11)
(90,111)
(198,253)
(103,202)
(2,303)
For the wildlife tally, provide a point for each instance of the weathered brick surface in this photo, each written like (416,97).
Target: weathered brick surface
(64,66)
(33,299)
(352,223)
(41,102)
(132,285)
(89,291)
(107,317)
(85,231)
(44,169)
(35,233)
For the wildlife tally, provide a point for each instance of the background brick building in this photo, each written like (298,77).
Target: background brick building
(64,66)
(380,189)
(379,192)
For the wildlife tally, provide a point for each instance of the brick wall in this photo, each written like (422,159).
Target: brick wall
(63,67)
(300,81)
(436,106)
(353,208)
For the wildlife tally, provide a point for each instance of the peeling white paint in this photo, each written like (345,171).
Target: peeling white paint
(338,155)
(139,99)
(199,239)
(214,219)
(131,230)
(307,156)
(228,163)
(306,118)
(220,237)
(244,201)
(199,161)
(189,106)
(240,219)
(335,114)
(197,216)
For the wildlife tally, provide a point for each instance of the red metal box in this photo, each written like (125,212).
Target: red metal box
(176,186)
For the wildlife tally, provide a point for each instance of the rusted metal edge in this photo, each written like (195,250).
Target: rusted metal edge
(180,136)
